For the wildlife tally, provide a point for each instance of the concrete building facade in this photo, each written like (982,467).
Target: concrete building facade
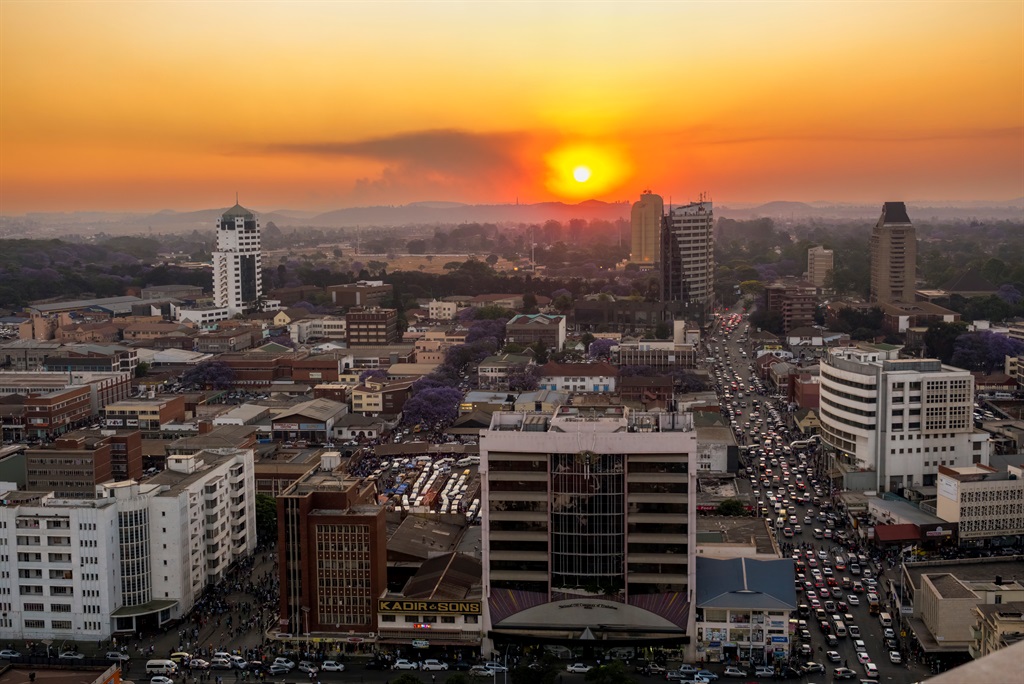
(893,256)
(237,262)
(820,262)
(688,259)
(588,525)
(645,221)
(984,502)
(900,419)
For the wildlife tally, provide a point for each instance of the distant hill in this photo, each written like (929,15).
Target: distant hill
(919,211)
(450,212)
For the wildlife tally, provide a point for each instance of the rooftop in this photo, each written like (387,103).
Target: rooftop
(948,587)
(746,583)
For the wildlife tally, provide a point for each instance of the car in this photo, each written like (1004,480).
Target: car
(808,668)
(870,669)
(239,662)
(688,669)
(277,668)
(8,654)
(833,656)
(863,657)
(854,631)
(895,657)
(332,666)
(860,646)
(433,665)
(843,673)
(579,668)
(116,656)
(403,664)
(225,664)
(764,671)
(734,672)
(254,666)
(200,664)
(495,666)
(853,600)
(378,664)
(652,669)
(889,633)
(891,644)
(706,675)
(308,667)
(479,671)
(283,662)
(71,655)
(160,679)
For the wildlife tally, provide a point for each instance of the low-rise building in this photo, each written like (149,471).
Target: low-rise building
(743,609)
(528,329)
(493,371)
(984,502)
(442,311)
(371,326)
(312,421)
(579,377)
(997,626)
(147,415)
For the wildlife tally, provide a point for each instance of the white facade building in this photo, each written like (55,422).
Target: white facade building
(984,502)
(441,311)
(237,263)
(900,419)
(136,557)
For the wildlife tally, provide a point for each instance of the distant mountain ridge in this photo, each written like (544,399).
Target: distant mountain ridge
(447,212)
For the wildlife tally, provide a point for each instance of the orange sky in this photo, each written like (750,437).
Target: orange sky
(319,105)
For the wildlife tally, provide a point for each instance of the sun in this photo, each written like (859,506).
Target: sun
(586,169)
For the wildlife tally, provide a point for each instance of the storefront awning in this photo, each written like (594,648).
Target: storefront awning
(154,606)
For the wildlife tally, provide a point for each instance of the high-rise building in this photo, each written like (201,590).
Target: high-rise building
(894,422)
(893,256)
(645,220)
(819,265)
(588,525)
(237,263)
(688,258)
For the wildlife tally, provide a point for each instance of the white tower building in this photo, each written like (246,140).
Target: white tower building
(237,263)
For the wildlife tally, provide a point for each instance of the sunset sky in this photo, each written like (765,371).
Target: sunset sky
(321,105)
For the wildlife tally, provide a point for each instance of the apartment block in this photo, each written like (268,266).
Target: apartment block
(371,327)
(984,502)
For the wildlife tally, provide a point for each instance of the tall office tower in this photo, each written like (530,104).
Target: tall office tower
(819,265)
(893,256)
(646,224)
(237,264)
(688,259)
(588,525)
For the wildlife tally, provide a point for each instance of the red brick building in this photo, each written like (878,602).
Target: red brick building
(54,413)
(332,552)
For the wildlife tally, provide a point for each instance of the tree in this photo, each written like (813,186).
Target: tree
(612,673)
(434,407)
(209,374)
(142,370)
(731,507)
(984,350)
(406,678)
(523,378)
(266,519)
(940,339)
(487,329)
(601,349)
(491,259)
(374,375)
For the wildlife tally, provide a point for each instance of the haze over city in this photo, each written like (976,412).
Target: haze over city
(120,106)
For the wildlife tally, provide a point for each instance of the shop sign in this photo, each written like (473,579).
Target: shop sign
(780,640)
(430,607)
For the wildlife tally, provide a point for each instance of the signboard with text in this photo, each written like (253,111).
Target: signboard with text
(429,607)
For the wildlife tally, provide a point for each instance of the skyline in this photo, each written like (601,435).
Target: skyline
(315,106)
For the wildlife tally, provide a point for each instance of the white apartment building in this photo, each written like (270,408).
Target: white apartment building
(328,327)
(893,422)
(237,263)
(136,557)
(203,317)
(984,502)
(441,311)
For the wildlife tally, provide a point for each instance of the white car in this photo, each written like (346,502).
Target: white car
(283,662)
(71,655)
(8,654)
(764,671)
(853,600)
(332,666)
(863,657)
(403,664)
(579,668)
(160,679)
(431,664)
(275,668)
(895,657)
(307,667)
(111,655)
(494,666)
(734,672)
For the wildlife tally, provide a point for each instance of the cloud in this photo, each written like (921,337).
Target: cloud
(446,151)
